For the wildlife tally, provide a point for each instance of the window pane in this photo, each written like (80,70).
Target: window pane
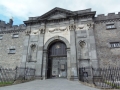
(1,36)
(115,44)
(15,35)
(110,26)
(11,50)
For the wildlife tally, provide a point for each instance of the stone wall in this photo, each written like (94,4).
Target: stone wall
(107,56)
(8,42)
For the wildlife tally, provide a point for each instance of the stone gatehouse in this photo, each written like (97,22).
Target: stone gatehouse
(60,41)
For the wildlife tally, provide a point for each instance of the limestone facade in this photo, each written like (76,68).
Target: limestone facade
(90,41)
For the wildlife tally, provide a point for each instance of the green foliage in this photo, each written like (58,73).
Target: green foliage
(5,83)
(113,85)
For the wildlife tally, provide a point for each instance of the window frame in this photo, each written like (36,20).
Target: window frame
(13,36)
(11,49)
(110,26)
(114,44)
(1,37)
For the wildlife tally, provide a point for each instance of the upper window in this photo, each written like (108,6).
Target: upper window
(12,51)
(110,26)
(115,44)
(15,35)
(1,37)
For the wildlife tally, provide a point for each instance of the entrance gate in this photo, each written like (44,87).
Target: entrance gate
(57,60)
(59,67)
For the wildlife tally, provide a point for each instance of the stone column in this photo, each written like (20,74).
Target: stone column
(39,56)
(44,69)
(92,50)
(68,64)
(25,51)
(92,47)
(72,28)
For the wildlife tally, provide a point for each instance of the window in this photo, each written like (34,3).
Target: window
(12,51)
(115,44)
(110,26)
(15,36)
(1,37)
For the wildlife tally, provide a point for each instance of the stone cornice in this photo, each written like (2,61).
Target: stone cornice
(106,21)
(35,22)
(111,17)
(74,14)
(11,31)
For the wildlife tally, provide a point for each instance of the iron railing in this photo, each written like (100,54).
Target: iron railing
(11,75)
(107,78)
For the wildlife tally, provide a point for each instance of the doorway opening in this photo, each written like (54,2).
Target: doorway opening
(57,60)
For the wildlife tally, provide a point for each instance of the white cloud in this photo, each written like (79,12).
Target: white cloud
(26,8)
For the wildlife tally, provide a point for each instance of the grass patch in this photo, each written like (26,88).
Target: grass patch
(113,85)
(5,83)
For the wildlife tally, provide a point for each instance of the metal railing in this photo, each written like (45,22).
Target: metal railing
(107,78)
(11,75)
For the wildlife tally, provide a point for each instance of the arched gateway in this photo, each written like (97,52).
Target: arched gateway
(57,60)
(59,42)
(57,53)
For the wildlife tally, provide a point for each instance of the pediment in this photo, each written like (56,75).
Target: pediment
(56,13)
(57,16)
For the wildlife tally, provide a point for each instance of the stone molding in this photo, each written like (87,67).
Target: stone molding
(106,21)
(72,27)
(57,29)
(27,32)
(54,39)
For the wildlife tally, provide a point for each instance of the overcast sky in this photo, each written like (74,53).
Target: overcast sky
(20,10)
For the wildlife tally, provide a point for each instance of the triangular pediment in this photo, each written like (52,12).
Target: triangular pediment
(57,16)
(60,14)
(56,13)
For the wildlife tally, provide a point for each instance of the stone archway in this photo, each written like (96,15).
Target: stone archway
(45,55)
(57,60)
(53,39)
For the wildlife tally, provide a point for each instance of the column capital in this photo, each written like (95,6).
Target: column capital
(27,32)
(72,27)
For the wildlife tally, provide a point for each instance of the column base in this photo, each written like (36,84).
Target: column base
(74,78)
(38,77)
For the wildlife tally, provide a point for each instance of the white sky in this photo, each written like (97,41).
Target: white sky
(22,9)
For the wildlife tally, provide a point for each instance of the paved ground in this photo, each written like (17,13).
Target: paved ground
(49,84)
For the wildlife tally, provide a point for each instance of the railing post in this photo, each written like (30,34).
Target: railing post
(16,73)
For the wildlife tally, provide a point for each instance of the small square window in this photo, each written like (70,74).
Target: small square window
(110,26)
(12,51)
(1,37)
(15,36)
(115,44)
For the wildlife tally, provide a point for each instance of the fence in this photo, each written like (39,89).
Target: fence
(11,75)
(85,74)
(107,78)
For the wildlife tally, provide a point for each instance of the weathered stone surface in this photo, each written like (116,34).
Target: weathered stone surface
(107,56)
(85,36)
(11,60)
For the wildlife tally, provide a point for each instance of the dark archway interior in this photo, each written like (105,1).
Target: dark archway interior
(56,49)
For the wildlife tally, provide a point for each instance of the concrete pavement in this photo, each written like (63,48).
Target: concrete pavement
(49,84)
